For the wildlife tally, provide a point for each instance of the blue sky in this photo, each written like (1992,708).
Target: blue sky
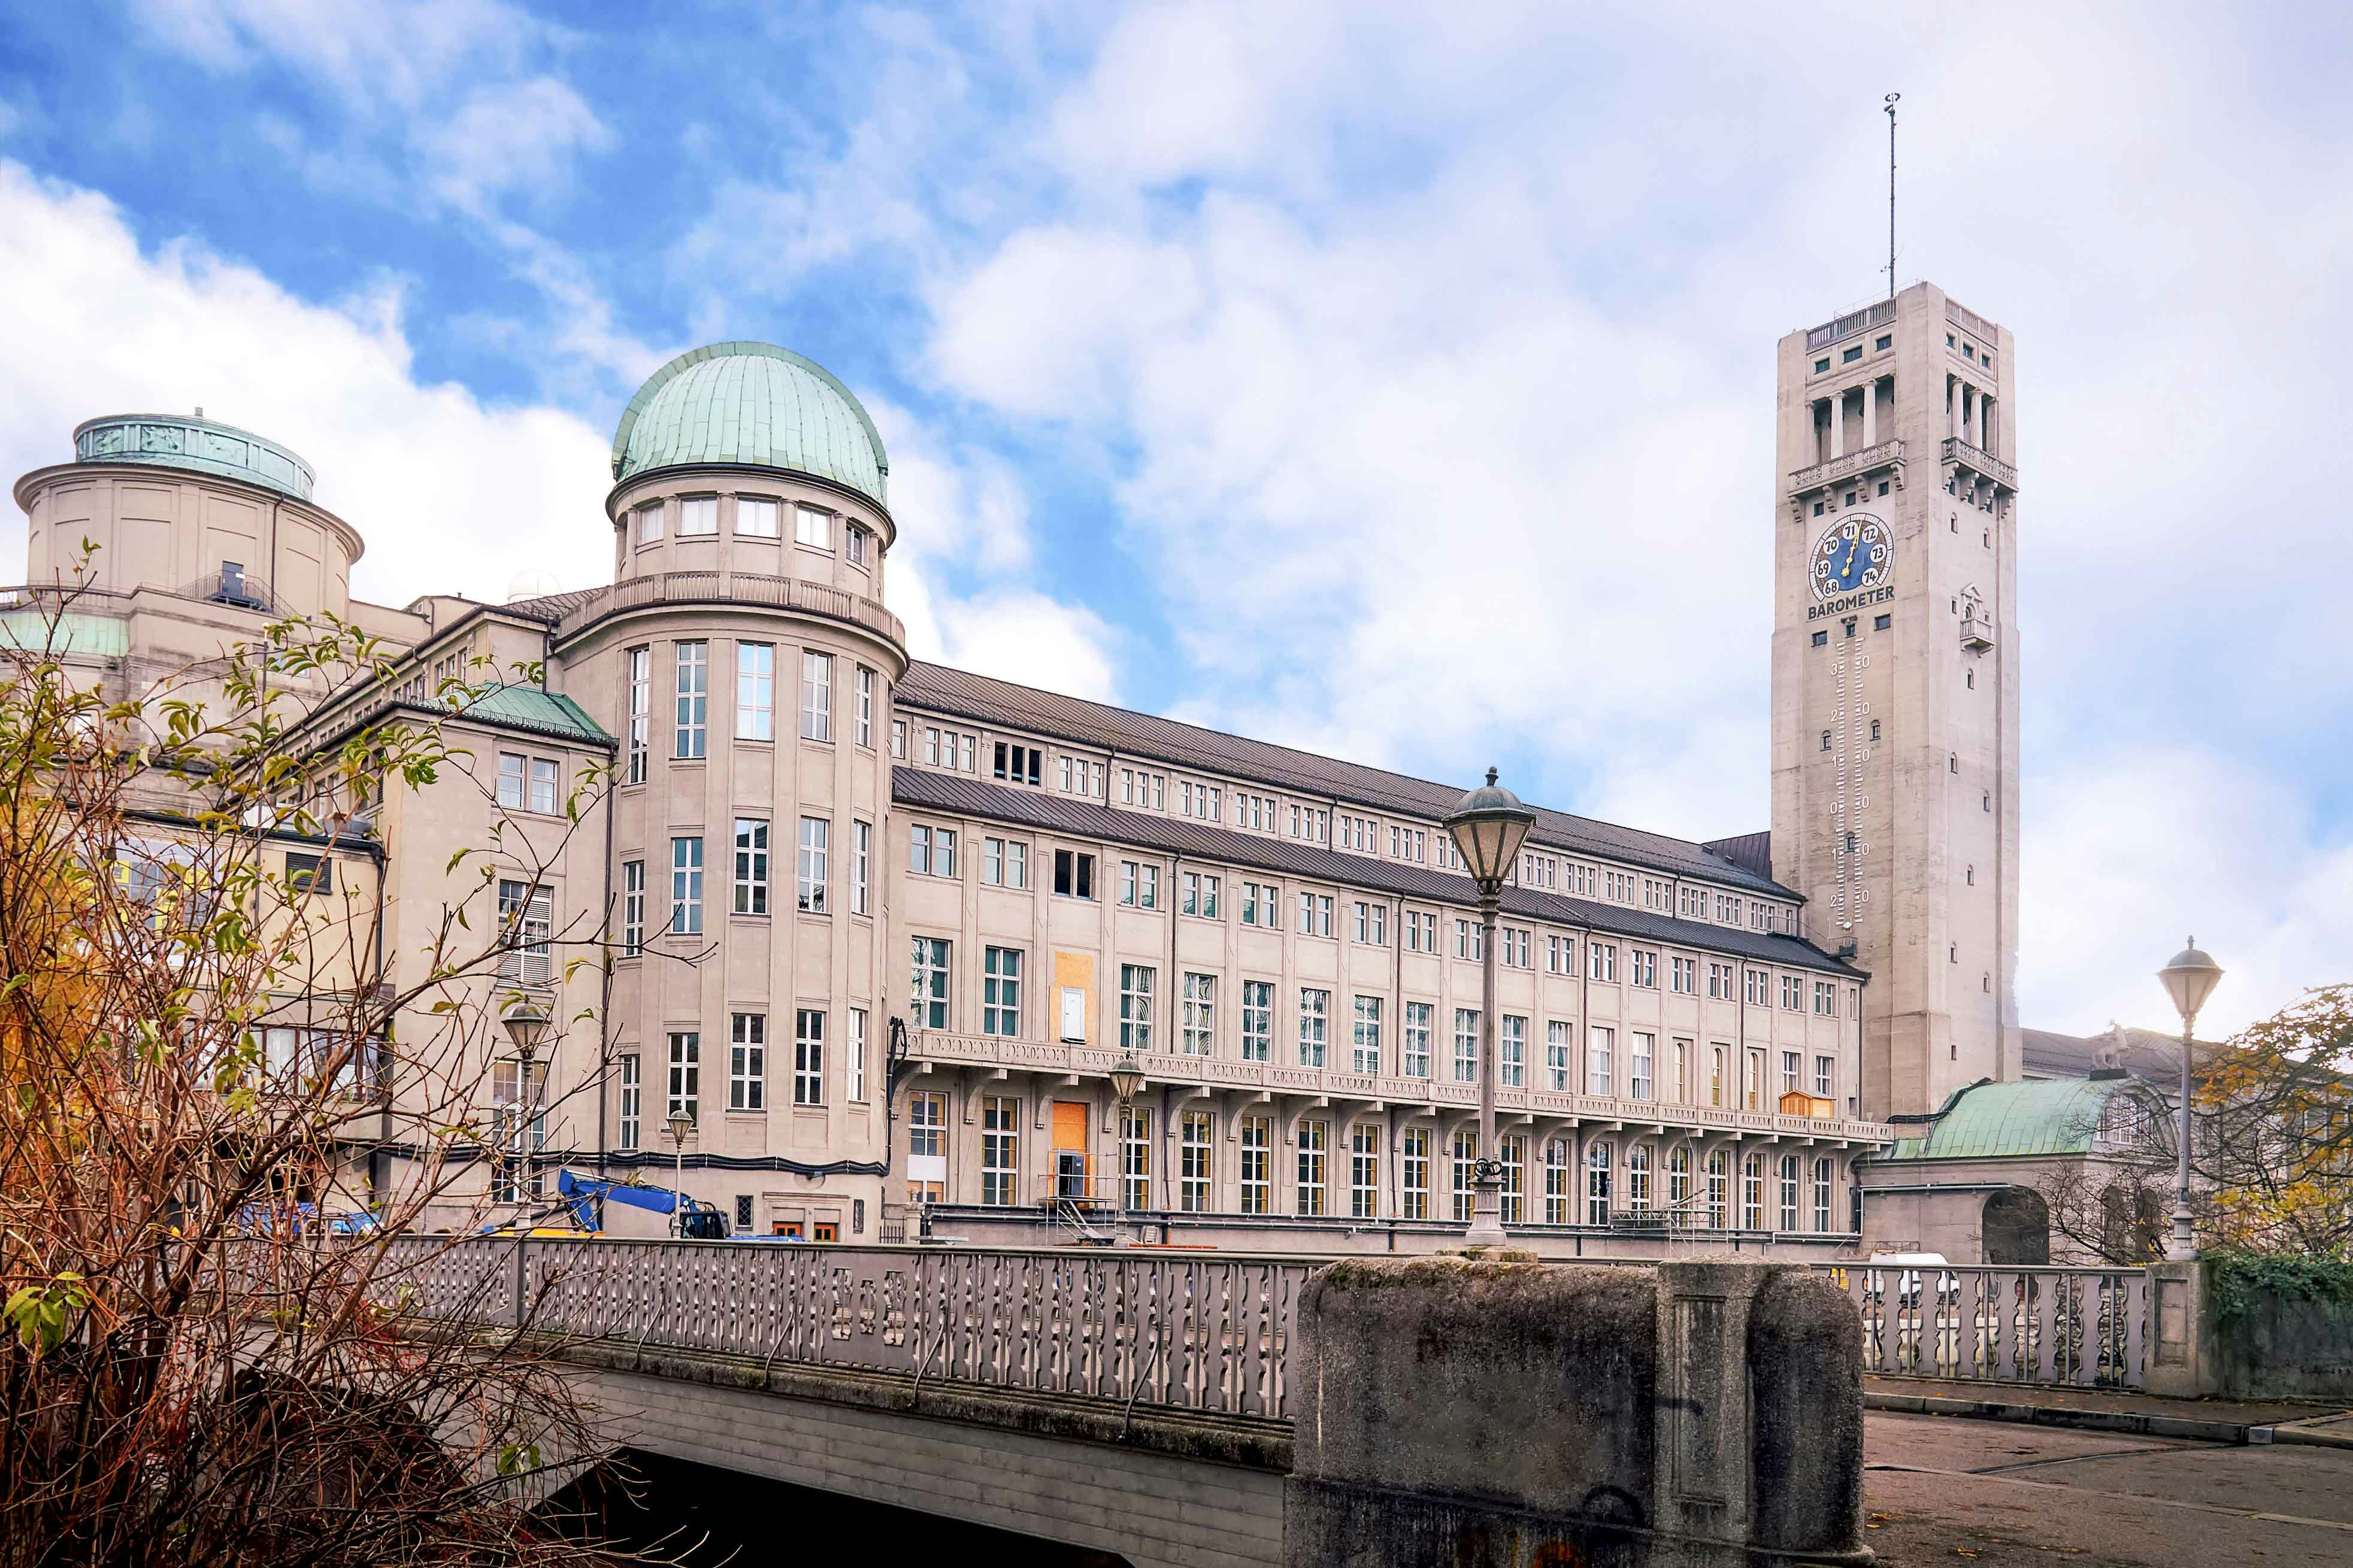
(1375,378)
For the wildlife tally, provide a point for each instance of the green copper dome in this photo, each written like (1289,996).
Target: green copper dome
(753,404)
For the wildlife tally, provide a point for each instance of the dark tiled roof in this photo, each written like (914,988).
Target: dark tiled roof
(1749,851)
(955,794)
(2145,1053)
(938,688)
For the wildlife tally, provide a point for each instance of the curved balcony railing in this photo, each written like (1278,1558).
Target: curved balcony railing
(767,592)
(1441,1094)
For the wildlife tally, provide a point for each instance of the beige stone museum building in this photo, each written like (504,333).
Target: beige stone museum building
(882,930)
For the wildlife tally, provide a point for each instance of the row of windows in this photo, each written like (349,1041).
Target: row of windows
(755,700)
(1004,863)
(747,1069)
(1790,1194)
(756,517)
(1601,1072)
(1024,764)
(749,877)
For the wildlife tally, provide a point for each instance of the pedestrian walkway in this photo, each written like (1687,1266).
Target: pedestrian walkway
(1938,1490)
(2116,1410)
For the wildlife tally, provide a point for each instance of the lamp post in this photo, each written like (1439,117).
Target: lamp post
(681,1124)
(1488,826)
(1127,1078)
(526,1026)
(2189,978)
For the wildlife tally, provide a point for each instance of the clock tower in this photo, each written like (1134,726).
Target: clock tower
(1895,680)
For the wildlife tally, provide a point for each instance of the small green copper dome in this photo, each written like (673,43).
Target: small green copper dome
(753,404)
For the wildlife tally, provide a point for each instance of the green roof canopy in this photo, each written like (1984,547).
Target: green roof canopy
(2008,1121)
(522,707)
(751,404)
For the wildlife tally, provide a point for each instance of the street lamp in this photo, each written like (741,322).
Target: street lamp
(1488,826)
(1127,1078)
(2189,978)
(681,1124)
(526,1026)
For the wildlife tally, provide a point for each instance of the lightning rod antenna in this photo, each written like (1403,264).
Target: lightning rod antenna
(1892,99)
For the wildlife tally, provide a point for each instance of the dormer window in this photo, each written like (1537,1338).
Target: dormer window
(756,518)
(813,528)
(697,515)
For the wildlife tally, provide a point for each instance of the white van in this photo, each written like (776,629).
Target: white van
(1907,1267)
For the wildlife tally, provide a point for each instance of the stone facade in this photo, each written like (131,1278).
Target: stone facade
(1896,679)
(884,929)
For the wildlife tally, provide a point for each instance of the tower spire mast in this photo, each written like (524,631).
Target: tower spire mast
(1891,101)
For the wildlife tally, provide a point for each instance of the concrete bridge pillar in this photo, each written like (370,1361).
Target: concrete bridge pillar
(1489,1415)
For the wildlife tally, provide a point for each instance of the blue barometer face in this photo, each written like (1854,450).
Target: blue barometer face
(1857,552)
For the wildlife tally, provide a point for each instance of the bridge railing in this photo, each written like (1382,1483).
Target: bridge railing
(2084,1328)
(1205,1334)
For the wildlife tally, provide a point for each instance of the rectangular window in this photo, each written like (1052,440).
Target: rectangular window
(931,851)
(546,780)
(1365,1171)
(1314,1026)
(1599,1156)
(649,524)
(1261,901)
(1257,1141)
(865,706)
(1258,1020)
(899,739)
(1556,1056)
(927,1141)
(816,837)
(693,697)
(754,518)
(1643,966)
(1511,1152)
(1792,1070)
(751,865)
(1200,1022)
(1600,1076)
(1512,1071)
(1413,1192)
(1716,1169)
(1760,987)
(1074,874)
(1640,1051)
(1136,1156)
(1557,1185)
(1366,1052)
(817,696)
(1825,999)
(812,527)
(633,907)
(641,703)
(1678,1188)
(512,765)
(1789,1193)
(1135,1008)
(1000,1149)
(629,1111)
(697,515)
(1198,895)
(1822,1076)
(1466,1045)
(854,539)
(927,983)
(526,922)
(862,866)
(685,887)
(1413,1042)
(686,1074)
(1465,1163)
(1752,1192)
(1681,975)
(856,1056)
(1195,1149)
(1638,1176)
(1821,1197)
(1600,961)
(747,1062)
(1312,1166)
(1000,992)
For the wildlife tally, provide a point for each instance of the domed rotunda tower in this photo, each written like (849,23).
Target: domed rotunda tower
(745,656)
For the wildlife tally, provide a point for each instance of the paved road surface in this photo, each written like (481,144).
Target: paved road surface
(1945,1491)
